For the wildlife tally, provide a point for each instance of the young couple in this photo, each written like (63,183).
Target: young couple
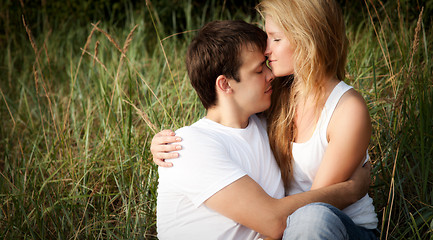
(225,182)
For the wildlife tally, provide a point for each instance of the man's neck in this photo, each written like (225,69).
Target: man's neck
(228,117)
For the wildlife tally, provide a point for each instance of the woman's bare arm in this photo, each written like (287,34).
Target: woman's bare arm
(348,133)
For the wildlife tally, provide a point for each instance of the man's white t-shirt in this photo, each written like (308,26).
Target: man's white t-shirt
(212,157)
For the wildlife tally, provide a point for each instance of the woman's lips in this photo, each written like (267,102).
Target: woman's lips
(270,62)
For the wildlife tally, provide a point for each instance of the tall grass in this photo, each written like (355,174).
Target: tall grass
(392,67)
(81,100)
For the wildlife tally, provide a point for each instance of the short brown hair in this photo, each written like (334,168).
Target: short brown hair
(216,50)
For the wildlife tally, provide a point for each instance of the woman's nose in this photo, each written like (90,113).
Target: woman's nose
(268,50)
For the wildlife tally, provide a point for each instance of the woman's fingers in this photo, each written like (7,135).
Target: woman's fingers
(164,155)
(164,145)
(161,163)
(161,147)
(164,137)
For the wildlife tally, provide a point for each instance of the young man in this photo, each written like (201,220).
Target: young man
(226,184)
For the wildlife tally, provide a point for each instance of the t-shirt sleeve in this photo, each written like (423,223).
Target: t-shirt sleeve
(203,168)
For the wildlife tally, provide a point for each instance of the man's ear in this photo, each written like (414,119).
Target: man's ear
(223,85)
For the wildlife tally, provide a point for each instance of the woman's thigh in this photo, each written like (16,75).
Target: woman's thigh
(323,221)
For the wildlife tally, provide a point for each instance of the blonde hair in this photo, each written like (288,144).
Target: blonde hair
(316,29)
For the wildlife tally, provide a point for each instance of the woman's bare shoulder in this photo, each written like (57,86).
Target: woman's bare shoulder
(351,112)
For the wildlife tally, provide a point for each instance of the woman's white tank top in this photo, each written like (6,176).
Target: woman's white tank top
(307,157)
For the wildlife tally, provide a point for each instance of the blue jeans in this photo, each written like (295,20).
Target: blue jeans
(323,221)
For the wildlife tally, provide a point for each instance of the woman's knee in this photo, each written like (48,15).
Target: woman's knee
(316,212)
(315,221)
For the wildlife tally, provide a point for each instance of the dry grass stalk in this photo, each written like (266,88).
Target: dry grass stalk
(391,26)
(415,42)
(44,47)
(171,72)
(123,56)
(95,58)
(391,194)
(96,54)
(89,38)
(96,188)
(36,75)
(144,116)
(398,106)
(149,8)
(153,93)
(179,33)
(123,52)
(50,105)
(385,55)
(410,69)
(129,39)
(401,19)
(9,110)
(111,39)
(29,33)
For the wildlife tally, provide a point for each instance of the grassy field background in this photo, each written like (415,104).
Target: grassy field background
(84,85)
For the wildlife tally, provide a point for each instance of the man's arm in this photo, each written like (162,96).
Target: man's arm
(245,202)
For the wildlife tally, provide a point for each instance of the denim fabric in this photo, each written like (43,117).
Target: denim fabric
(323,221)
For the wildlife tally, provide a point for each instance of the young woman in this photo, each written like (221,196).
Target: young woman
(319,127)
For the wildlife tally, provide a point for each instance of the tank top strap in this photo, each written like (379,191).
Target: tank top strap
(331,103)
